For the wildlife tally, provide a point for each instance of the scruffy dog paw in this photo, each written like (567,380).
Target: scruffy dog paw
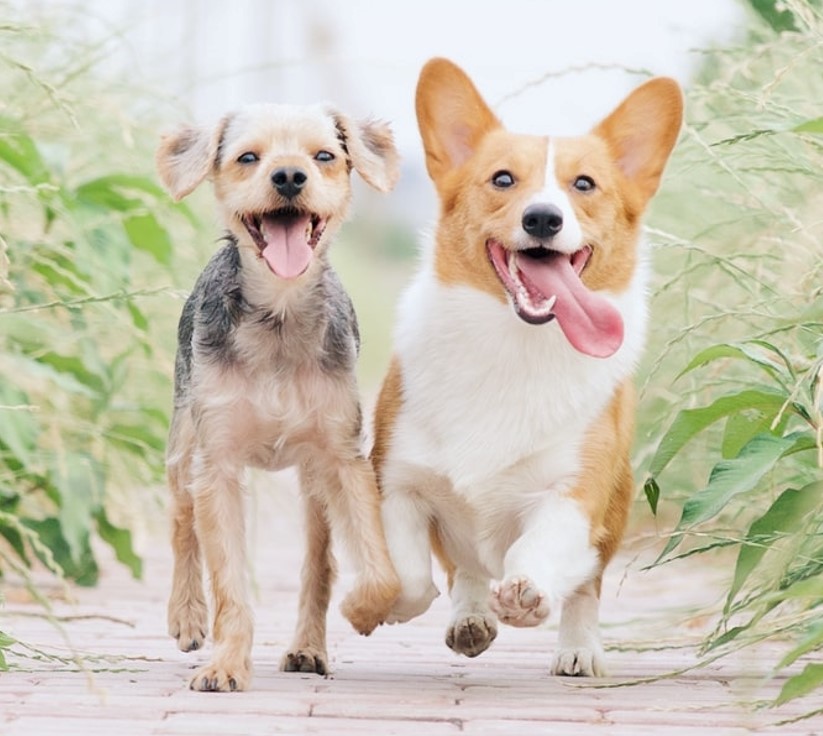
(517,601)
(220,677)
(370,604)
(189,625)
(307,659)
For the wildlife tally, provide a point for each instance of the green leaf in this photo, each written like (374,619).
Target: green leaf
(146,234)
(812,642)
(137,438)
(83,570)
(743,351)
(807,587)
(79,479)
(137,317)
(5,642)
(810,126)
(76,367)
(118,183)
(652,491)
(64,381)
(801,684)
(730,478)
(744,425)
(18,426)
(121,542)
(783,516)
(775,14)
(19,151)
(15,540)
(690,422)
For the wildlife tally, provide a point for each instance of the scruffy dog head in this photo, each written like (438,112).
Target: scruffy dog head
(281,176)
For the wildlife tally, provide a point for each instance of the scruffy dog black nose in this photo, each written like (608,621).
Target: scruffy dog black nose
(289,180)
(542,220)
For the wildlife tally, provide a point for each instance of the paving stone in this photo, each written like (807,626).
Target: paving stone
(401,680)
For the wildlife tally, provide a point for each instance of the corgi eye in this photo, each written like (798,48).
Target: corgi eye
(324,156)
(249,157)
(503,180)
(583,183)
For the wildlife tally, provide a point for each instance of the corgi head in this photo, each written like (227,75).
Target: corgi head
(550,225)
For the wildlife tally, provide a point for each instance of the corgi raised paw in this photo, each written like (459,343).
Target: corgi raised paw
(517,601)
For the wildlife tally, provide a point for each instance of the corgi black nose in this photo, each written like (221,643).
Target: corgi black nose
(289,180)
(542,220)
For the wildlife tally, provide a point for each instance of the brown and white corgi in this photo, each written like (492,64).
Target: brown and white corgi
(504,425)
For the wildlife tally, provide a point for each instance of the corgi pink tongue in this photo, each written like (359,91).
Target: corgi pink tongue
(589,321)
(287,250)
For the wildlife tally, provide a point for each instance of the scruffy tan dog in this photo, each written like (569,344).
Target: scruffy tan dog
(264,376)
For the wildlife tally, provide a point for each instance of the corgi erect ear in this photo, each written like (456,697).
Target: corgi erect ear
(187,156)
(371,150)
(642,131)
(452,116)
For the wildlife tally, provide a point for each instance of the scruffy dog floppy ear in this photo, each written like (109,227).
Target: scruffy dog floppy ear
(187,156)
(371,150)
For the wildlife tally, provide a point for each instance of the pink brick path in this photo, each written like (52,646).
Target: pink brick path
(401,680)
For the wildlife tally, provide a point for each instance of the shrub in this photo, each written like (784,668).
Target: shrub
(743,454)
(84,246)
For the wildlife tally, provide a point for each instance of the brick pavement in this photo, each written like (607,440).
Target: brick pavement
(401,680)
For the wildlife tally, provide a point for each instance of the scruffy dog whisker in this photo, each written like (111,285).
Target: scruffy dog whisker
(264,377)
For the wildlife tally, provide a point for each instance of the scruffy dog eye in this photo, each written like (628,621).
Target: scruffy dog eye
(249,157)
(584,184)
(324,156)
(503,180)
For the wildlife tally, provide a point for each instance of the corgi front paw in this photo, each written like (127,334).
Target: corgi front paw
(472,634)
(517,601)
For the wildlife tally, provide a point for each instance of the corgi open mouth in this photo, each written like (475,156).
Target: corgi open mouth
(545,284)
(286,239)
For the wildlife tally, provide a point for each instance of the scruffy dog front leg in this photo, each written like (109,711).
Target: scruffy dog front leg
(218,513)
(188,612)
(308,650)
(355,506)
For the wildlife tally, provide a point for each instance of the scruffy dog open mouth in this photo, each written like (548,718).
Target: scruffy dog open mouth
(264,377)
(286,238)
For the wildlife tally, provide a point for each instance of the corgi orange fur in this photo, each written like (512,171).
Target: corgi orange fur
(504,425)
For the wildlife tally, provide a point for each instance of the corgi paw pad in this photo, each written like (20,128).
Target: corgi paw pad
(517,601)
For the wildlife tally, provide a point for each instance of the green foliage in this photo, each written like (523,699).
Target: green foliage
(85,252)
(736,444)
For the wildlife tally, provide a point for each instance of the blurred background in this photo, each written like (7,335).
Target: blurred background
(95,260)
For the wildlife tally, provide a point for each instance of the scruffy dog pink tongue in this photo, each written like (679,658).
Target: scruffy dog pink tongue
(287,250)
(588,320)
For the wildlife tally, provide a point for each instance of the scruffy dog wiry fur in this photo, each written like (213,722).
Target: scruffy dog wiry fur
(264,376)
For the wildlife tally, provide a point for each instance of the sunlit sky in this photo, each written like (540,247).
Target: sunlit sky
(365,55)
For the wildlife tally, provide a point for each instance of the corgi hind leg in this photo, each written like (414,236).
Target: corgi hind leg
(406,521)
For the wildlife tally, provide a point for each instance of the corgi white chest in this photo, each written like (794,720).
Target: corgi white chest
(485,391)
